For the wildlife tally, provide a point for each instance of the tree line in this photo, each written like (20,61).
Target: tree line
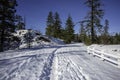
(55,29)
(91,29)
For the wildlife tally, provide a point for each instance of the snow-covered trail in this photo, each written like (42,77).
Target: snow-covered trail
(73,63)
(32,65)
(66,62)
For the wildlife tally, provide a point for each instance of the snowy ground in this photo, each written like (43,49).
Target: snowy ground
(66,62)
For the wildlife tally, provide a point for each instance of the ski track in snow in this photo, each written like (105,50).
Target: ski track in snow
(67,62)
(25,66)
(48,67)
(73,63)
(64,65)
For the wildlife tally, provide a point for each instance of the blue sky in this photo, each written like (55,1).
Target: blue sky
(36,12)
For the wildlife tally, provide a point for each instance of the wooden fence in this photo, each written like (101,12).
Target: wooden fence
(114,59)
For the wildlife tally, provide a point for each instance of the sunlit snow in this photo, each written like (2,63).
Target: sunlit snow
(58,62)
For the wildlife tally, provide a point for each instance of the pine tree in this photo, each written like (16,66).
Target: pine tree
(50,24)
(105,33)
(69,30)
(106,27)
(82,33)
(116,38)
(7,19)
(28,38)
(20,22)
(57,26)
(94,17)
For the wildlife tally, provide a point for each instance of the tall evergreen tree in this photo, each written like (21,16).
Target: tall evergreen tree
(28,38)
(69,30)
(20,22)
(94,16)
(57,26)
(105,33)
(106,27)
(82,32)
(50,24)
(7,19)
(115,39)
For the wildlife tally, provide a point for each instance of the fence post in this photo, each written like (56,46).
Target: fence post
(88,51)
(102,55)
(93,51)
(119,62)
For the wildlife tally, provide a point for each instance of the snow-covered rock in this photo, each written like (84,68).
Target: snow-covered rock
(38,40)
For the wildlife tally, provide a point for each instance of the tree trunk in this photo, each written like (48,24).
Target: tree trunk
(92,23)
(2,41)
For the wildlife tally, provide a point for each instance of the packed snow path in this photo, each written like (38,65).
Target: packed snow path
(73,63)
(67,62)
